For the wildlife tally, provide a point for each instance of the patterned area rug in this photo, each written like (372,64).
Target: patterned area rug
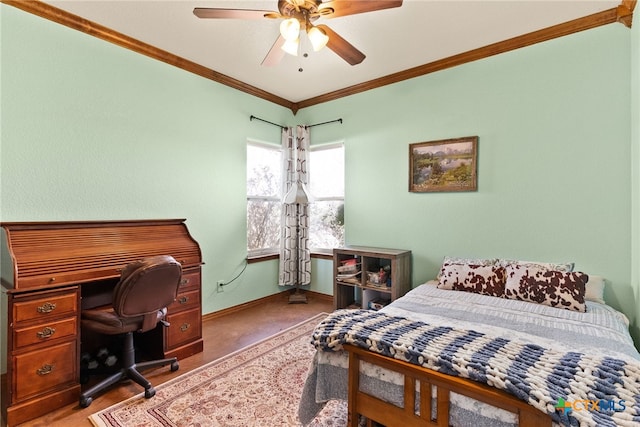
(259,385)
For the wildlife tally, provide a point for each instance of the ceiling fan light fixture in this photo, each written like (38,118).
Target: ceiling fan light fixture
(291,46)
(318,38)
(290,29)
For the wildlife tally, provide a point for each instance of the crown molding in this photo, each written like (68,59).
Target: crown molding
(76,22)
(619,14)
(623,13)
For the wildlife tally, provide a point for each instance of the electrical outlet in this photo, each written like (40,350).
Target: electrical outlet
(219,286)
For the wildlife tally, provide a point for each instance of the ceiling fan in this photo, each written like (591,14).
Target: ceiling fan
(300,15)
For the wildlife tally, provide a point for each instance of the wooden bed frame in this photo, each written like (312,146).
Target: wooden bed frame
(388,414)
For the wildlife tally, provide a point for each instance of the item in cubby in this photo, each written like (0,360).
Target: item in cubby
(349,271)
(386,270)
(377,304)
(373,277)
(348,266)
(348,277)
(377,280)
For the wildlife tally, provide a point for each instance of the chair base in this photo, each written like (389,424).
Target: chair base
(129,371)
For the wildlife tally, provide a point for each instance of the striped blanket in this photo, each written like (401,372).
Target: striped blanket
(574,388)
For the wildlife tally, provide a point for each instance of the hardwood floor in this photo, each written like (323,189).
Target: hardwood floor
(222,335)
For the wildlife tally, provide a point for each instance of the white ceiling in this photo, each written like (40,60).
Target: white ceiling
(417,33)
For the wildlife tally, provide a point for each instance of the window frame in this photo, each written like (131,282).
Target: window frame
(264,253)
(320,147)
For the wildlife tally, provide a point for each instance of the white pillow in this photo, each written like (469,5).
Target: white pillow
(559,266)
(594,289)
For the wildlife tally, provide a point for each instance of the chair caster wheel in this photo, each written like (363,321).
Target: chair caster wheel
(85,401)
(175,366)
(149,392)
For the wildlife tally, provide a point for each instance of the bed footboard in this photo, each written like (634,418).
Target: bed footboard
(390,415)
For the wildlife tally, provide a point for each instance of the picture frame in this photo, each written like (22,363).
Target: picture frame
(447,165)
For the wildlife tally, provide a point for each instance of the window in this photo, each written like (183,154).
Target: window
(264,194)
(264,197)
(326,183)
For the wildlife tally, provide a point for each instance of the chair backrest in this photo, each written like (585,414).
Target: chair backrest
(147,286)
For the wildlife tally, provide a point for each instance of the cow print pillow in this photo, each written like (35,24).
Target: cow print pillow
(449,260)
(554,288)
(480,279)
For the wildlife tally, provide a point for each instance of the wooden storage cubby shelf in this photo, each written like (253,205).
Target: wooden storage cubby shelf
(352,285)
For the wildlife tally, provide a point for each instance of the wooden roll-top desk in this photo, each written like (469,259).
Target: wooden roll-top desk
(50,271)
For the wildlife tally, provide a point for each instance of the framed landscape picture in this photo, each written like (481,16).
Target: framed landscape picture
(445,165)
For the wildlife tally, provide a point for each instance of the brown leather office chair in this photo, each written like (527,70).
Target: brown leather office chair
(140,301)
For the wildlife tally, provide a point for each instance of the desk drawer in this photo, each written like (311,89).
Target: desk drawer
(46,306)
(44,332)
(39,371)
(185,301)
(185,326)
(190,279)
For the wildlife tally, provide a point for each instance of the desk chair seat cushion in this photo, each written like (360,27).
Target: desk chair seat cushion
(105,320)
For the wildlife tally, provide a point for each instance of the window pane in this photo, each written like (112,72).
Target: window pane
(326,228)
(326,172)
(263,224)
(263,171)
(264,190)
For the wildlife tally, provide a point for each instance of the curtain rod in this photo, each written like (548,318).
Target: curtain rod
(266,121)
(284,127)
(325,123)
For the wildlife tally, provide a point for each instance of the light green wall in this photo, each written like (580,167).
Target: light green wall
(93,131)
(554,171)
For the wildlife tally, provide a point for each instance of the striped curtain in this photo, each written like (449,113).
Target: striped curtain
(295,257)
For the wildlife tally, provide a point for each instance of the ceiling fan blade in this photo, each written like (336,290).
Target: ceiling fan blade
(351,7)
(275,54)
(343,48)
(218,13)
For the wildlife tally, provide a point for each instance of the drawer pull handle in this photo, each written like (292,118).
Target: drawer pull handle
(183,300)
(184,327)
(47,307)
(46,333)
(184,281)
(46,369)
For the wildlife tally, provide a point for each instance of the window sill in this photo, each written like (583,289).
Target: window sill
(315,253)
(261,257)
(322,253)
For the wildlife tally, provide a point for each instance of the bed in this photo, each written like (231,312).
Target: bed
(449,355)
